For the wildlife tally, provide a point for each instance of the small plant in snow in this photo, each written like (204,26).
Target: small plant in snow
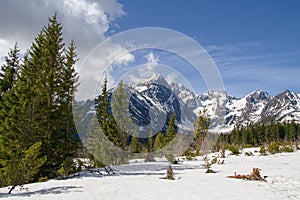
(263,151)
(273,148)
(234,149)
(207,165)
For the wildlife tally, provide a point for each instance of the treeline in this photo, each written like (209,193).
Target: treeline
(261,134)
(37,133)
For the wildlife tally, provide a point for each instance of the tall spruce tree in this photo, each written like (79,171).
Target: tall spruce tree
(49,73)
(20,158)
(119,106)
(112,114)
(171,128)
(9,70)
(38,108)
(94,144)
(201,128)
(135,145)
(159,143)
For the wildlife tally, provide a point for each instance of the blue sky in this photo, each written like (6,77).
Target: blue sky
(255,44)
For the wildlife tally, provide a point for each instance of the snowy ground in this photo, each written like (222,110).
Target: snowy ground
(141,181)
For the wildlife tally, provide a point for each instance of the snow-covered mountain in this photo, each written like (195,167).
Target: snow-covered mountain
(257,107)
(283,107)
(153,100)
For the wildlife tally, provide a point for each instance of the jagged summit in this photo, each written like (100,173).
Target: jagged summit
(257,96)
(157,79)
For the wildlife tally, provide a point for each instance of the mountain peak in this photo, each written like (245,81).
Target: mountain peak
(257,95)
(155,79)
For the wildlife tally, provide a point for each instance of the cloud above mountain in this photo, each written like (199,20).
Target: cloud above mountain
(85,21)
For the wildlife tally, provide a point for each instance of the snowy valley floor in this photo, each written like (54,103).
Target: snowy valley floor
(139,181)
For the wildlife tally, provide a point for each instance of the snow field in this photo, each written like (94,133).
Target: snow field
(140,180)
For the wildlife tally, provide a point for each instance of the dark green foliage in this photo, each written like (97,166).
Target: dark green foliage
(170,138)
(234,149)
(114,128)
(98,152)
(21,167)
(36,105)
(150,142)
(263,150)
(273,148)
(135,145)
(201,129)
(259,134)
(43,179)
(9,71)
(171,129)
(67,168)
(214,160)
(119,106)
(287,149)
(159,143)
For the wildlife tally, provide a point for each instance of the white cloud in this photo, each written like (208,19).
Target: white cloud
(98,65)
(146,70)
(91,13)
(84,21)
(151,59)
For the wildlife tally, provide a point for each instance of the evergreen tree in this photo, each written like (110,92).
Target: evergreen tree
(38,107)
(22,166)
(9,71)
(171,129)
(135,145)
(159,143)
(169,138)
(201,128)
(114,132)
(106,122)
(94,144)
(49,73)
(119,106)
(150,142)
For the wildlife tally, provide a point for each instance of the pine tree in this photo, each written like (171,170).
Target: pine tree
(150,142)
(38,108)
(114,132)
(201,128)
(135,145)
(9,71)
(169,138)
(119,106)
(159,143)
(22,166)
(94,144)
(171,129)
(102,107)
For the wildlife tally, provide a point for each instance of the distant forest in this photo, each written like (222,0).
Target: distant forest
(262,134)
